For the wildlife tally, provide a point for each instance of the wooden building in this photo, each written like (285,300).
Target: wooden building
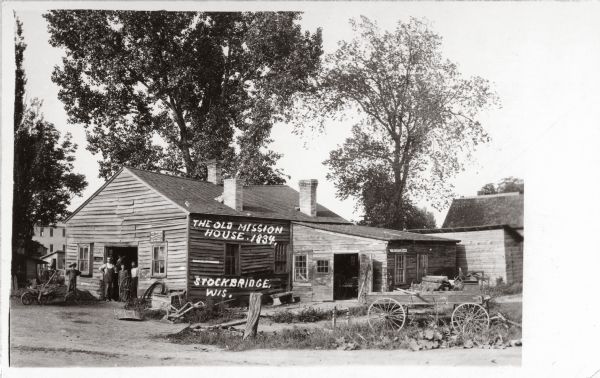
(490,228)
(336,261)
(219,238)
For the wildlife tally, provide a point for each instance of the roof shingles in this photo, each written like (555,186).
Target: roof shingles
(486,210)
(261,201)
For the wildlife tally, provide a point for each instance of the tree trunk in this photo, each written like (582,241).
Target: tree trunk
(253,315)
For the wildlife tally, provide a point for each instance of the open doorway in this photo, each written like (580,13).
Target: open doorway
(128,255)
(345,279)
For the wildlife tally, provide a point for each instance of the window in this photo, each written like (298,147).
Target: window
(159,259)
(322,266)
(64,231)
(41,231)
(51,232)
(64,248)
(399,269)
(84,257)
(51,248)
(232,259)
(300,268)
(280,258)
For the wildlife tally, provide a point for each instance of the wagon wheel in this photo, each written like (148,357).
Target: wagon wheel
(388,313)
(27,298)
(470,317)
(44,299)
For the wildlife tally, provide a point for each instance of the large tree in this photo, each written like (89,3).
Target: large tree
(210,85)
(44,182)
(415,116)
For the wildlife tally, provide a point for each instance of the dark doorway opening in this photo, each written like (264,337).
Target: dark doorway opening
(127,254)
(345,277)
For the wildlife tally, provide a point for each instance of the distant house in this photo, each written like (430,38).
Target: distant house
(56,259)
(52,237)
(491,231)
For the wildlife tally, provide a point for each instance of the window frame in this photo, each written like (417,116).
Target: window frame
(280,258)
(322,268)
(51,232)
(64,232)
(159,245)
(305,267)
(402,259)
(41,231)
(236,259)
(84,272)
(50,248)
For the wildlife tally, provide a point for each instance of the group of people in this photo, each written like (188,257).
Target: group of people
(120,283)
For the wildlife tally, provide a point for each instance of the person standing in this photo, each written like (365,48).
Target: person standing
(109,272)
(124,283)
(134,279)
(72,274)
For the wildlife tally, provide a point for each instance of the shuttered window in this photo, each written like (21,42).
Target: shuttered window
(399,269)
(51,232)
(84,259)
(159,259)
(300,268)
(232,259)
(280,258)
(423,264)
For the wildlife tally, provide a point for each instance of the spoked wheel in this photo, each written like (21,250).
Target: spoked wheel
(387,313)
(44,299)
(27,299)
(470,318)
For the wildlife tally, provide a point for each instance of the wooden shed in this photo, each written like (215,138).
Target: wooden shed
(215,238)
(491,231)
(337,261)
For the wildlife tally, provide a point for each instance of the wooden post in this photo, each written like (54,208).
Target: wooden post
(334,316)
(254,305)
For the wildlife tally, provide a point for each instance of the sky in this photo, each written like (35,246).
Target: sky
(532,53)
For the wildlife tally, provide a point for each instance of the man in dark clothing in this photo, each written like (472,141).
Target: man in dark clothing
(71,275)
(109,272)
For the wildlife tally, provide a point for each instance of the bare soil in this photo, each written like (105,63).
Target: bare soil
(89,335)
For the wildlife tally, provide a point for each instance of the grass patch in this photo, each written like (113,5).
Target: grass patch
(312,315)
(414,336)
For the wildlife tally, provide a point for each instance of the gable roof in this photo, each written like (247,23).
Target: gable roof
(377,233)
(199,197)
(486,210)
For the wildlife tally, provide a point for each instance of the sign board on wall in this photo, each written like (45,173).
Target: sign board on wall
(399,250)
(240,231)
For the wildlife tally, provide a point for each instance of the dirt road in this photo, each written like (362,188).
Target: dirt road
(89,335)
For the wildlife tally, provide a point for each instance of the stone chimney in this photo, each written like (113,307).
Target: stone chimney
(308,197)
(215,173)
(233,193)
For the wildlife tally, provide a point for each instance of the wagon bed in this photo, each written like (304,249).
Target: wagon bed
(390,309)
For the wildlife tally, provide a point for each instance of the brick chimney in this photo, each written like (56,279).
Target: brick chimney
(308,197)
(215,173)
(233,193)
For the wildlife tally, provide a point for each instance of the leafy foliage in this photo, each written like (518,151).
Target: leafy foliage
(417,116)
(506,185)
(44,182)
(210,85)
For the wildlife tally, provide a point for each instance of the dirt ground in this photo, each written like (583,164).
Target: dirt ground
(90,335)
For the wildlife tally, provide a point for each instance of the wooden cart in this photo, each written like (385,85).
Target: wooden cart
(390,309)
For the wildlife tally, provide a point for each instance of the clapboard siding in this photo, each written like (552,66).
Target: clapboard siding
(321,244)
(124,213)
(482,250)
(207,255)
